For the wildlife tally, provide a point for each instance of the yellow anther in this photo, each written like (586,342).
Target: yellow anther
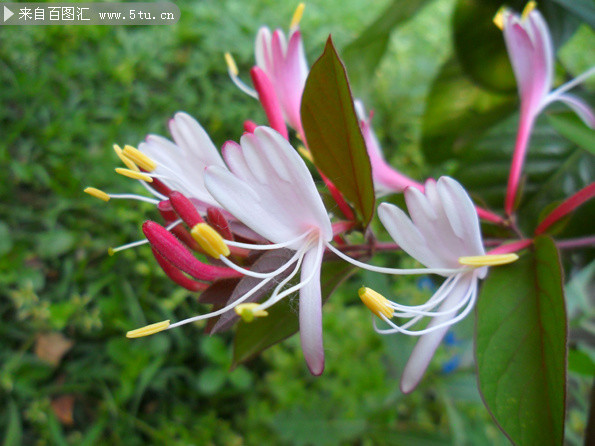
(148,330)
(499,18)
(97,193)
(297,16)
(247,311)
(127,161)
(139,158)
(376,302)
(530,6)
(134,174)
(306,153)
(111,251)
(210,240)
(231,64)
(488,260)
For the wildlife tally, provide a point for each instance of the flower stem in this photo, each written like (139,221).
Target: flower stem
(518,159)
(582,242)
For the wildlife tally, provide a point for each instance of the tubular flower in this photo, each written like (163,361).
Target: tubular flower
(280,73)
(167,165)
(284,61)
(443,234)
(386,179)
(531,52)
(179,164)
(269,189)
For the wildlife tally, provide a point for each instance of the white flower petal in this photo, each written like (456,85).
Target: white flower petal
(232,153)
(428,343)
(462,215)
(285,209)
(406,235)
(311,313)
(262,49)
(301,193)
(255,159)
(431,221)
(191,137)
(247,205)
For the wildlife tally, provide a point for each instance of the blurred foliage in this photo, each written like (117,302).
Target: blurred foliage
(68,94)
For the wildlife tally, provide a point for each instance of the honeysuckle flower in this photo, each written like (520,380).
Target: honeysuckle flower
(267,186)
(386,179)
(162,165)
(443,234)
(269,189)
(180,164)
(531,52)
(282,61)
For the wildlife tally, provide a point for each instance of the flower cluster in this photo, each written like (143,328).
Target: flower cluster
(253,215)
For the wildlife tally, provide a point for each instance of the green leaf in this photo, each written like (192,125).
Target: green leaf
(572,128)
(520,346)
(475,37)
(333,133)
(583,9)
(458,113)
(363,54)
(282,321)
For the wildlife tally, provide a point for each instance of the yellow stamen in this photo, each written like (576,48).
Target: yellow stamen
(139,158)
(247,311)
(499,18)
(306,153)
(209,240)
(110,251)
(127,161)
(530,6)
(488,260)
(134,174)
(231,64)
(148,330)
(97,193)
(297,16)
(376,302)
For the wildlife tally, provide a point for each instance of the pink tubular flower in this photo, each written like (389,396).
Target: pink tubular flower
(386,179)
(280,73)
(531,52)
(283,60)
(269,189)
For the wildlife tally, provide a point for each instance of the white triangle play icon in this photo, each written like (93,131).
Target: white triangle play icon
(7,13)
